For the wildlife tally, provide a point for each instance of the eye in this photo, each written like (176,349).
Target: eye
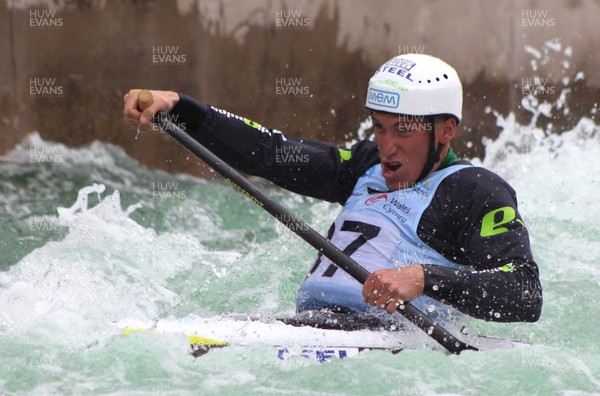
(403,129)
(406,129)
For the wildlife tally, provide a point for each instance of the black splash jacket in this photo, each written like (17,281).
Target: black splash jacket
(472,220)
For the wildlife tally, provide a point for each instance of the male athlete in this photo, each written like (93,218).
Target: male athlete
(431,229)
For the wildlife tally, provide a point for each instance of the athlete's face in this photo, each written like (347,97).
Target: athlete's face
(403,143)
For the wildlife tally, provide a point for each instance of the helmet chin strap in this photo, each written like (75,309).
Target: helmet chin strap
(434,153)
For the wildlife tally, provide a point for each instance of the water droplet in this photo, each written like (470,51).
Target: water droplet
(435,287)
(431,308)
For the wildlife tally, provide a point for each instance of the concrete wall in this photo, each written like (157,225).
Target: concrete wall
(65,65)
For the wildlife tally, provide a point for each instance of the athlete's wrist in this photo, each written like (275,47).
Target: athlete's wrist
(443,283)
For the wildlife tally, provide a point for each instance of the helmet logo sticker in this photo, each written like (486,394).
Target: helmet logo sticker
(383,98)
(399,66)
(402,63)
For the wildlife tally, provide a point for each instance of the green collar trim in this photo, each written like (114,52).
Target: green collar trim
(450,158)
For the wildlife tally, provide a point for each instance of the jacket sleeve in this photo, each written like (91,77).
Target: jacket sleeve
(481,216)
(313,168)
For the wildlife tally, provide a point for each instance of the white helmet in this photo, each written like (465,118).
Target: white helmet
(416,84)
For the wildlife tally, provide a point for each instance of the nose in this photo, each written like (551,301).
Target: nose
(387,145)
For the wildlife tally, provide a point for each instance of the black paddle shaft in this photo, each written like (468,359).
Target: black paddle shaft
(316,240)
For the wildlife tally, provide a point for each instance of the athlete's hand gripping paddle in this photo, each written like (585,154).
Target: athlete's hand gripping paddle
(295,224)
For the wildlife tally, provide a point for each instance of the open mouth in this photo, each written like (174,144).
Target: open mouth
(393,166)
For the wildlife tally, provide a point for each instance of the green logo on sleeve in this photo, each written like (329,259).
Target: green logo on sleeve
(493,221)
(510,267)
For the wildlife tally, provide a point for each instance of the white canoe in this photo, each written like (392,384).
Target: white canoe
(292,340)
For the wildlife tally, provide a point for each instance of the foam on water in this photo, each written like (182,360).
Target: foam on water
(107,266)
